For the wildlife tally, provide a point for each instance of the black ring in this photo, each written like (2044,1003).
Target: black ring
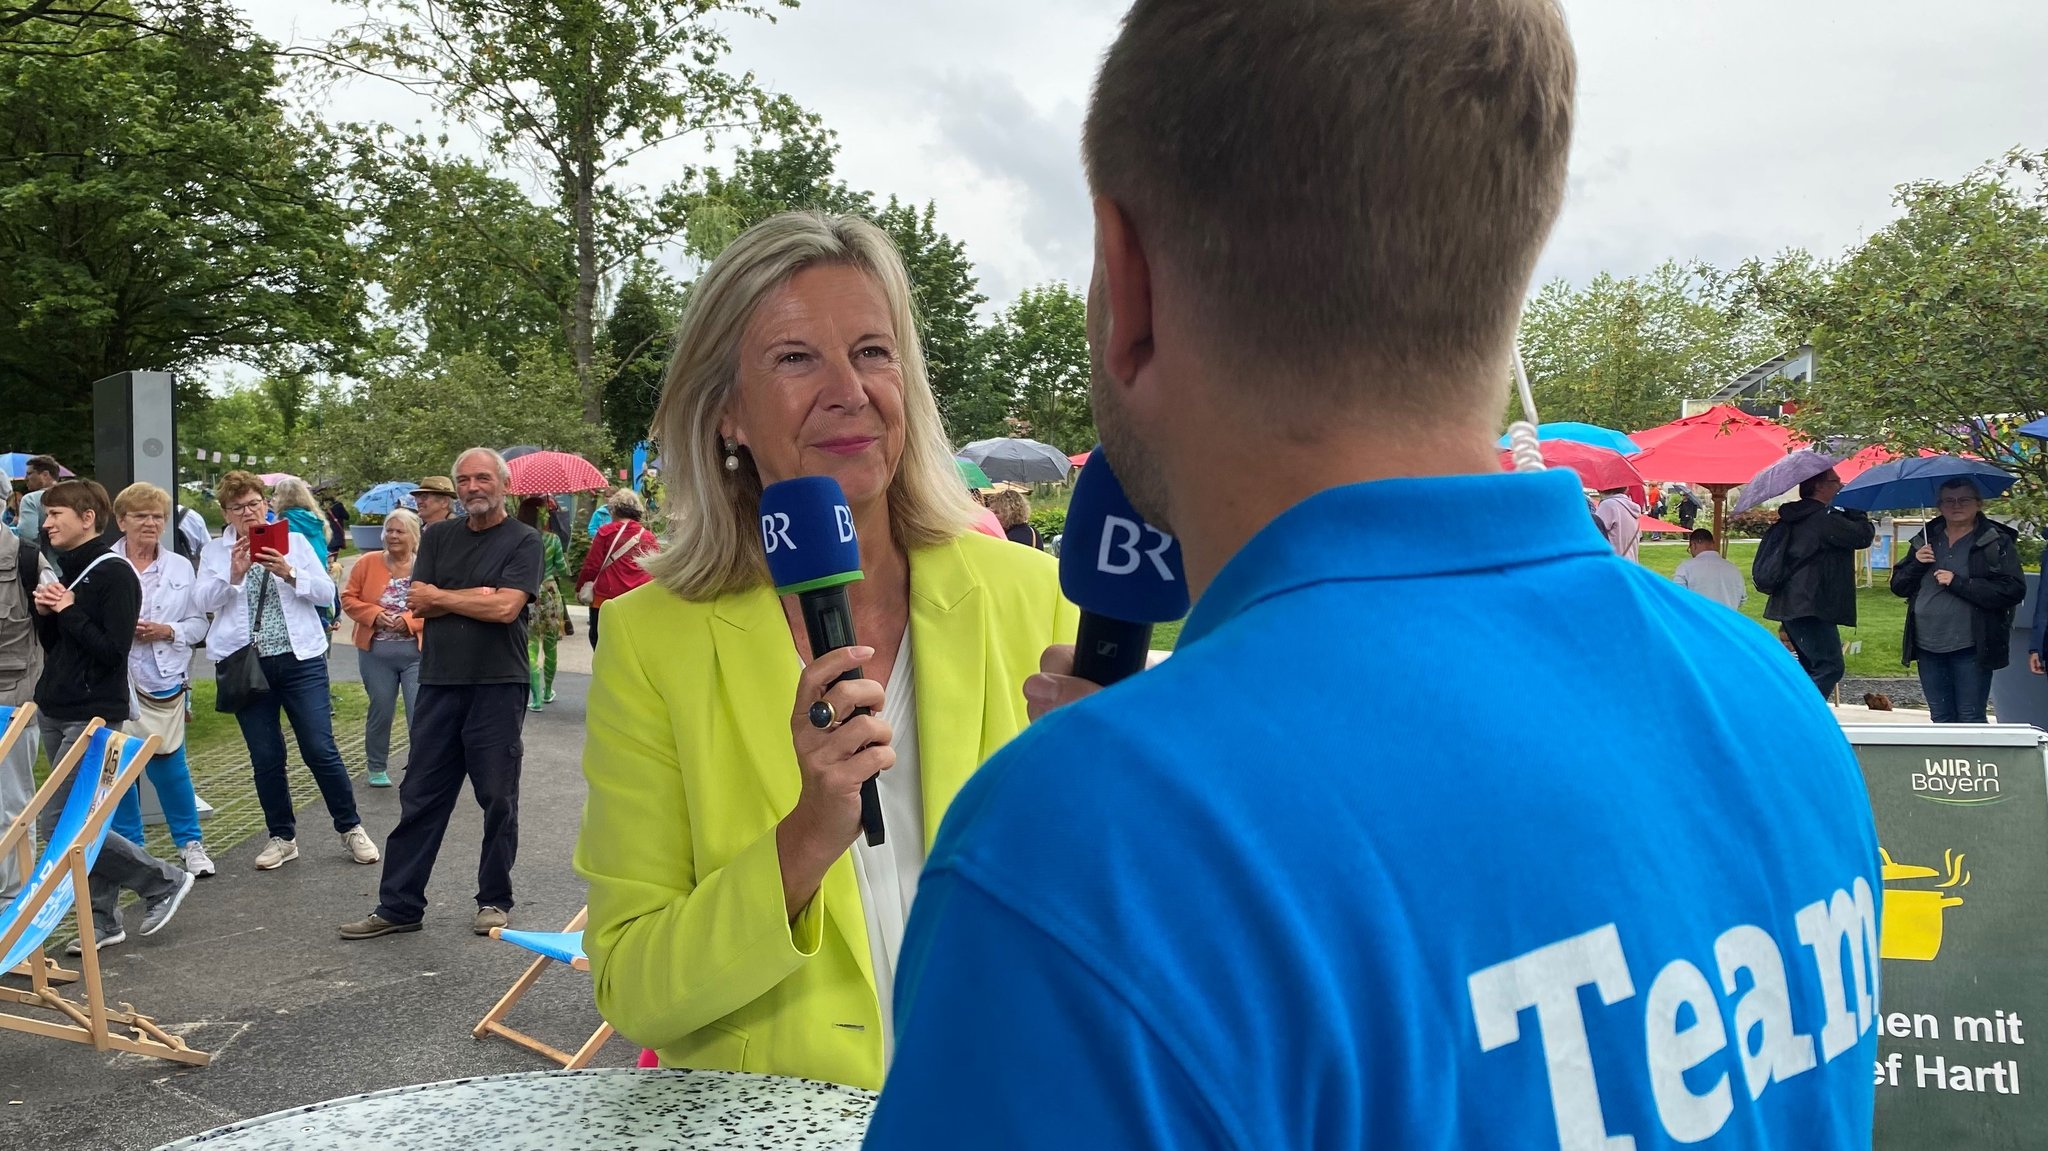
(823,715)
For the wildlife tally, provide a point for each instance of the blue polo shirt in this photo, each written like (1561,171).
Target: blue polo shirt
(1385,856)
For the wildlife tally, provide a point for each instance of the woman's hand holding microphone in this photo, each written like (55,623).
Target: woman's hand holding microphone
(834,760)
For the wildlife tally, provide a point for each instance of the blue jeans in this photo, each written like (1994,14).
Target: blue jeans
(1820,650)
(173,782)
(298,692)
(1956,685)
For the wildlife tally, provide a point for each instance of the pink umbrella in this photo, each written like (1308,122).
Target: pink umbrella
(272,479)
(553,473)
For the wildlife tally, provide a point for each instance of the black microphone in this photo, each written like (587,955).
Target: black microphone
(1123,573)
(807,533)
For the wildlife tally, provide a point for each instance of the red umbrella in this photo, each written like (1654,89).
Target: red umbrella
(1719,449)
(1651,525)
(1598,468)
(553,473)
(1080,459)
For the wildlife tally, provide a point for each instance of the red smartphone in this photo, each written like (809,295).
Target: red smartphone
(275,537)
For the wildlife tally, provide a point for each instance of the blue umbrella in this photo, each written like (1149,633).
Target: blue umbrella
(1592,434)
(380,500)
(2038,429)
(15,465)
(1915,483)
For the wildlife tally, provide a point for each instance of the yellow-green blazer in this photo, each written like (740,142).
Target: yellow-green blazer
(690,768)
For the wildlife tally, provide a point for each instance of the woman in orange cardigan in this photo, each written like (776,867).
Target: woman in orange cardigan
(387,635)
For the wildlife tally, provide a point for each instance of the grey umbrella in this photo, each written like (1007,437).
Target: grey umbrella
(1019,461)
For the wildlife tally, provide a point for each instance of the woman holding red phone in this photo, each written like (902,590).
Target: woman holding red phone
(264,585)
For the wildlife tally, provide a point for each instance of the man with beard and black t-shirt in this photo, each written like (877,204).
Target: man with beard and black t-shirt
(472,583)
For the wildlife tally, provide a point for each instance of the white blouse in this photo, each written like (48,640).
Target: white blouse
(888,874)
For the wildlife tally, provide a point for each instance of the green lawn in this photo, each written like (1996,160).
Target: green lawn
(1881,614)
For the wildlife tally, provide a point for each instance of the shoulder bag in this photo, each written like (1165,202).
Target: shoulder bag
(587,591)
(239,680)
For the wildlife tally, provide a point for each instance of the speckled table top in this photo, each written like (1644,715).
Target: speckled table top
(601,1110)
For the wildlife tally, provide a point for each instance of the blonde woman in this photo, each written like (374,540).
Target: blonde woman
(737,918)
(387,636)
(160,668)
(1013,511)
(292,501)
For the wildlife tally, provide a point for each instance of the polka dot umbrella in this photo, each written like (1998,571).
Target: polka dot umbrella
(551,473)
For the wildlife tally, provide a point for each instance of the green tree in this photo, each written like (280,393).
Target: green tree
(1626,352)
(1933,333)
(242,419)
(1039,349)
(413,422)
(575,89)
(637,336)
(799,174)
(465,261)
(158,211)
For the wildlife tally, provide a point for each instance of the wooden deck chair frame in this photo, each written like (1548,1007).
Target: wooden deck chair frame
(493,1021)
(91,1023)
(22,718)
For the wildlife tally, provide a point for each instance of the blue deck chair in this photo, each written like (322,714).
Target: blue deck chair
(101,765)
(564,946)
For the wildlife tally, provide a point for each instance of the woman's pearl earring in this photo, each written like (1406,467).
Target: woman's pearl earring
(732,456)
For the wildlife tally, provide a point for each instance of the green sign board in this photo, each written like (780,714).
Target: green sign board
(1962,815)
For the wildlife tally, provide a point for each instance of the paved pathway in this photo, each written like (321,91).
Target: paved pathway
(252,970)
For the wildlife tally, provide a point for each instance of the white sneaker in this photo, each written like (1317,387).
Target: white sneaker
(196,860)
(279,852)
(99,943)
(359,846)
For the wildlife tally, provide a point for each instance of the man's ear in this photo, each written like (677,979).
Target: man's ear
(1126,287)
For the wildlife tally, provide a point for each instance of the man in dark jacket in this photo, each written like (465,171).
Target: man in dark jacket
(86,623)
(1818,597)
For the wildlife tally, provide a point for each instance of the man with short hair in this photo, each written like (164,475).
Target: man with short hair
(471,583)
(1374,860)
(435,498)
(1709,573)
(37,475)
(1818,596)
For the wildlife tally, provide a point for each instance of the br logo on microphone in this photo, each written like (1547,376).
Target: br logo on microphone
(775,532)
(1113,563)
(1124,548)
(808,535)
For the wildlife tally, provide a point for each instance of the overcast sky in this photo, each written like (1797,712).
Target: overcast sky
(1711,129)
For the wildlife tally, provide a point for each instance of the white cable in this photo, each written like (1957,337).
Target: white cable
(1523,442)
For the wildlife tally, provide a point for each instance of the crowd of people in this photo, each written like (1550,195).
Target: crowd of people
(109,603)
(1962,577)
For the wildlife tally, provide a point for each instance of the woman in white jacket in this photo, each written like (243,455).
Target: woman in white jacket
(159,667)
(272,600)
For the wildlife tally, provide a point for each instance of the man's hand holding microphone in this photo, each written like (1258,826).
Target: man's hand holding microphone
(1125,576)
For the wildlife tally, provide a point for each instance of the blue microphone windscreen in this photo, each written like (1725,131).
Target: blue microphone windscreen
(1112,562)
(807,532)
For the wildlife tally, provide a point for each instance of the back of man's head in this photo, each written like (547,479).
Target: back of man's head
(1353,192)
(1700,541)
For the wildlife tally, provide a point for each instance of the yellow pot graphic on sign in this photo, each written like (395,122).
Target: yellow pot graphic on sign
(1912,923)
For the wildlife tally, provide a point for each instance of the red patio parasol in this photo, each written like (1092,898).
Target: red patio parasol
(1719,449)
(553,473)
(1651,525)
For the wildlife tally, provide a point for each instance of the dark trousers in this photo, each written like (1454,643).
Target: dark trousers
(593,628)
(1820,649)
(122,863)
(1956,685)
(298,692)
(471,731)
